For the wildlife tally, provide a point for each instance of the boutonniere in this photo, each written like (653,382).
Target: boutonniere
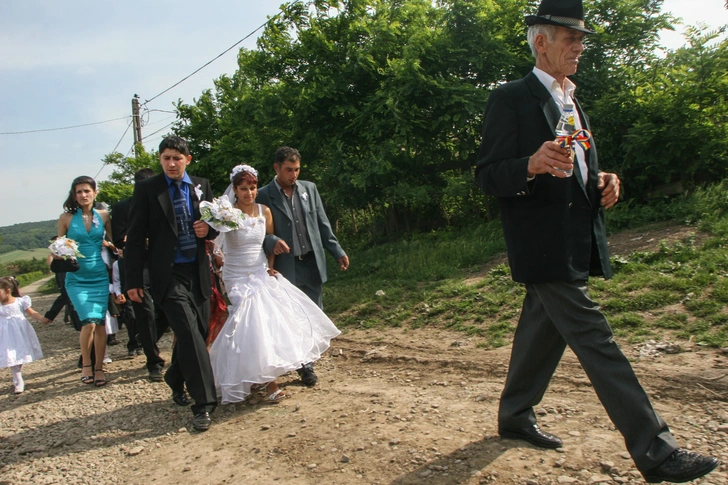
(304,196)
(198,192)
(95,221)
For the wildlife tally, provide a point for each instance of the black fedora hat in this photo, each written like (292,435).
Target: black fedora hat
(566,13)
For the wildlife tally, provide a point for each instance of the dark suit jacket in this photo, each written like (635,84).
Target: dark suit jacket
(119,227)
(317,224)
(554,228)
(120,221)
(152,217)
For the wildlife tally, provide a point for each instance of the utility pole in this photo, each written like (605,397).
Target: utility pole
(137,123)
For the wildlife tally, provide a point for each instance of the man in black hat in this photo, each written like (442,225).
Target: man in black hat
(553,223)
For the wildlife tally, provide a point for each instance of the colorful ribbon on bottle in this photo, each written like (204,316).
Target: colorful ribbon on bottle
(580,136)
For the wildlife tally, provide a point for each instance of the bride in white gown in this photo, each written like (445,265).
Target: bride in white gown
(273,327)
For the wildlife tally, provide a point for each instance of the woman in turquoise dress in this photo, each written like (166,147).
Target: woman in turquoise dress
(88,288)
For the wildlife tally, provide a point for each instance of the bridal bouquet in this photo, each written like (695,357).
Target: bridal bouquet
(65,248)
(221,215)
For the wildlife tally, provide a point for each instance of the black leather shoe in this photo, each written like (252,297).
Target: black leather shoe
(155,375)
(201,421)
(533,435)
(181,399)
(681,466)
(308,376)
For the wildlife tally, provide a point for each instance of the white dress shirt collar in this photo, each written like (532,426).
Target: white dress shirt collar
(557,91)
(562,94)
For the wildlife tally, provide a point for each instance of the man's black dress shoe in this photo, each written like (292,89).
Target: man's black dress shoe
(201,421)
(681,466)
(181,399)
(155,375)
(308,377)
(533,435)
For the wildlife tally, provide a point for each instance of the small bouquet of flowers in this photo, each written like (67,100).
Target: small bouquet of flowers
(221,215)
(65,248)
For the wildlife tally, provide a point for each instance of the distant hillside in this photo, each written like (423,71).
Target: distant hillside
(27,235)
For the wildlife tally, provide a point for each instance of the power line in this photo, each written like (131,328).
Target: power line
(158,95)
(161,111)
(158,121)
(117,146)
(61,128)
(155,132)
(216,58)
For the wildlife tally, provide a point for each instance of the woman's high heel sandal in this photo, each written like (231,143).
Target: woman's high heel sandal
(100,382)
(87,379)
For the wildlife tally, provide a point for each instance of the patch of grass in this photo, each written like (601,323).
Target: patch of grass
(720,290)
(650,299)
(630,320)
(49,287)
(718,319)
(18,255)
(703,307)
(28,278)
(424,282)
(672,321)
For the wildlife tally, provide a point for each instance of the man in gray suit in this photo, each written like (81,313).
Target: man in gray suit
(301,233)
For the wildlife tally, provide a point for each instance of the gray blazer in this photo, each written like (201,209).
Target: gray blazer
(317,224)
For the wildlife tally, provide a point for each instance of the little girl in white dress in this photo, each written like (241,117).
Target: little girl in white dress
(18,341)
(273,327)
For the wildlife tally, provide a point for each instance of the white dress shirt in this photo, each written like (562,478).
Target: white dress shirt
(560,94)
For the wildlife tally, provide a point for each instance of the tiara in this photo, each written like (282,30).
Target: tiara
(243,168)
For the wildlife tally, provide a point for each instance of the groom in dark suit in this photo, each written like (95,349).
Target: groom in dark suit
(302,231)
(553,225)
(165,231)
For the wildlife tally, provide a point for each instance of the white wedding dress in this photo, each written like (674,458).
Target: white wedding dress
(272,327)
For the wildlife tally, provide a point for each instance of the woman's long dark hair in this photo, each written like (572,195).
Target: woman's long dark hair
(70,205)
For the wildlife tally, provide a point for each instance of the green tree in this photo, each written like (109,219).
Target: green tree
(384,99)
(670,124)
(120,184)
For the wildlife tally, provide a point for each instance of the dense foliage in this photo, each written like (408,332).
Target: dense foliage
(120,183)
(668,123)
(384,99)
(23,266)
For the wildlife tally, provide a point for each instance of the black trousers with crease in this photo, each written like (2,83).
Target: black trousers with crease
(188,315)
(558,314)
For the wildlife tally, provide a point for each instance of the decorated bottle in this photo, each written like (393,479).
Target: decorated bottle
(565,132)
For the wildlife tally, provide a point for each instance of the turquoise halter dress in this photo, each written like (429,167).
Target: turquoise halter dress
(88,288)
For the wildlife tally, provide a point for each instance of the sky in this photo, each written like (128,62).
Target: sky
(81,62)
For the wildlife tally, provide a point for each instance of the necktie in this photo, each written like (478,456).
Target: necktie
(185,234)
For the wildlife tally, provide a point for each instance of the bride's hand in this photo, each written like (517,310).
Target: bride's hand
(272,272)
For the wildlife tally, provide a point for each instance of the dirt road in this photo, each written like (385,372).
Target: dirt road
(392,407)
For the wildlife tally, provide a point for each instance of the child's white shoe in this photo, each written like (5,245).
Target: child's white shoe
(19,385)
